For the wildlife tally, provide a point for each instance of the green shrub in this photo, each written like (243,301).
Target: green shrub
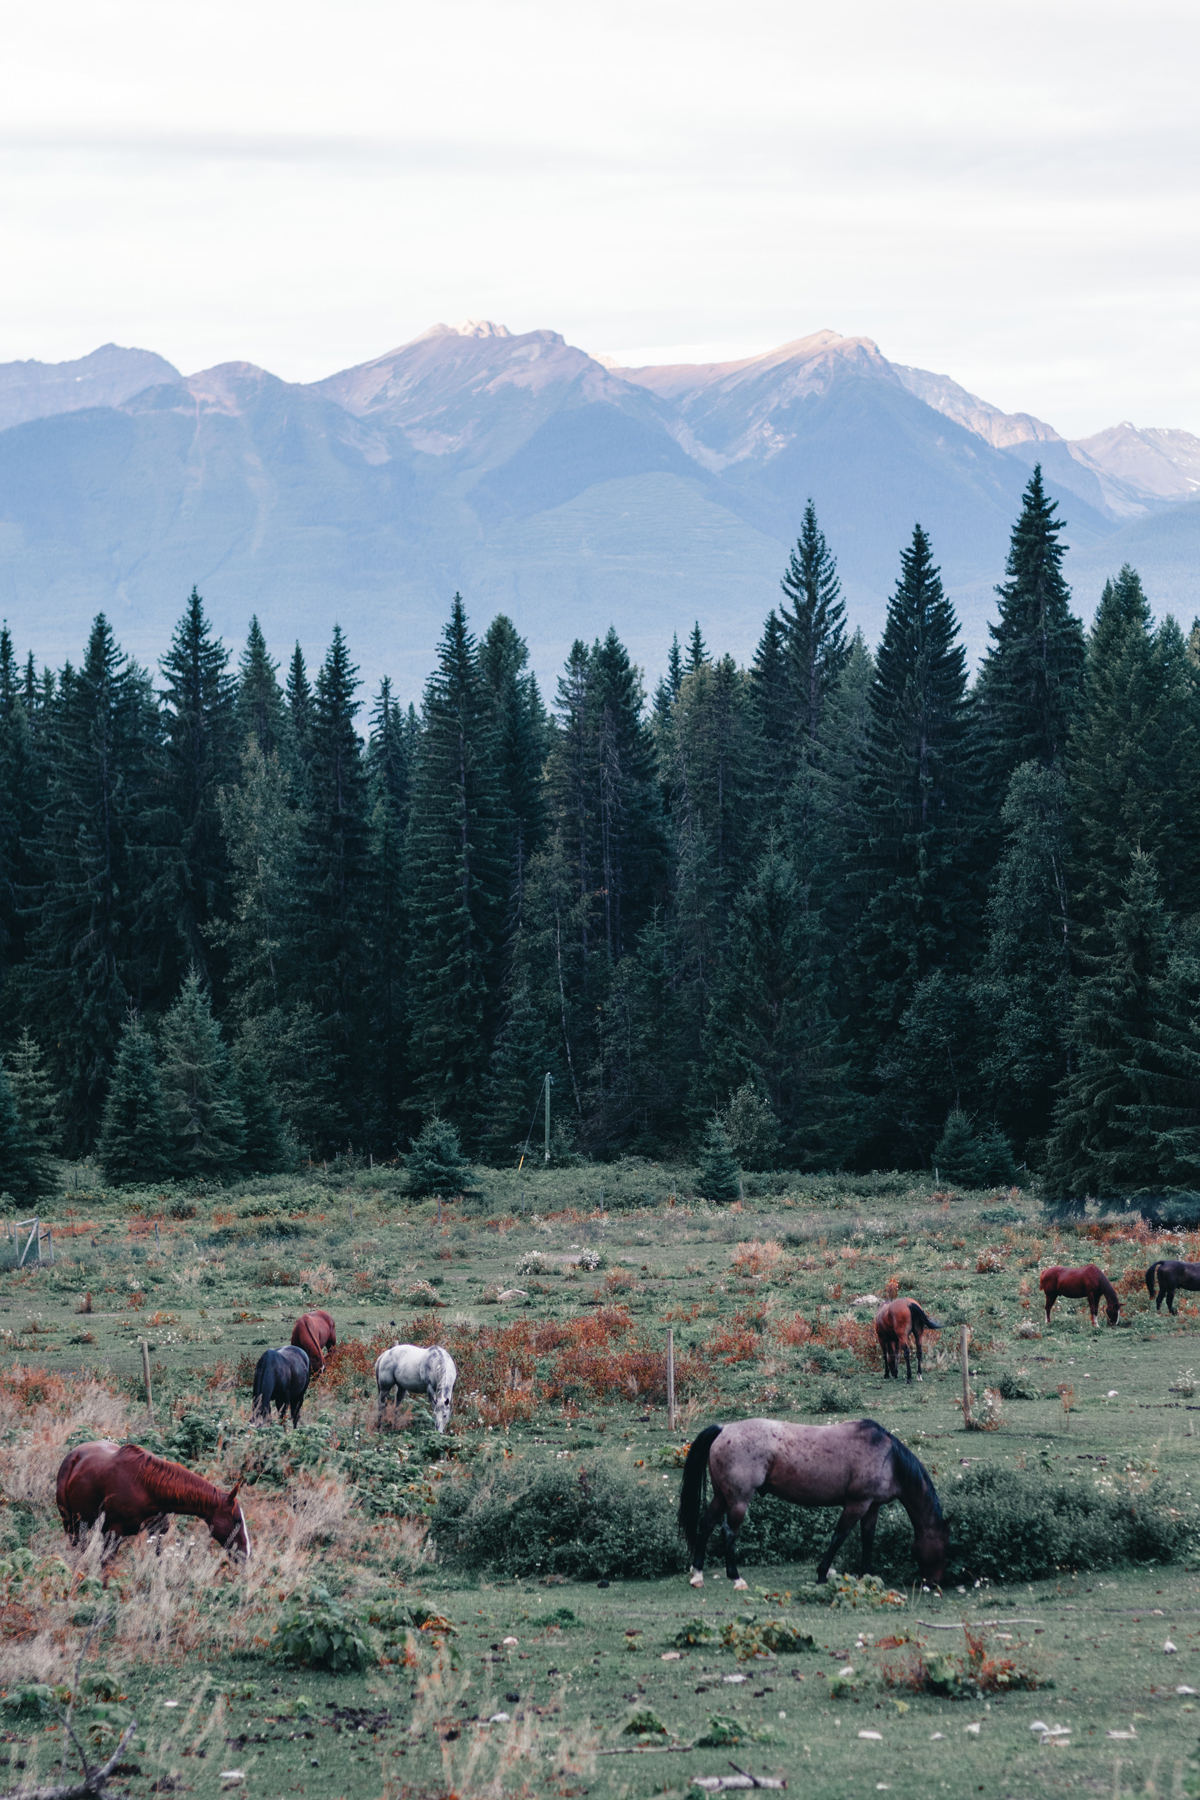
(974,1158)
(317,1632)
(586,1523)
(435,1163)
(192,1438)
(34,1701)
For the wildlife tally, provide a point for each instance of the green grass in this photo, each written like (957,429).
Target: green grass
(220,1285)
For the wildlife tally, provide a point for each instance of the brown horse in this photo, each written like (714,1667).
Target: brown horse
(895,1322)
(134,1491)
(858,1466)
(315,1332)
(1171,1275)
(1087,1283)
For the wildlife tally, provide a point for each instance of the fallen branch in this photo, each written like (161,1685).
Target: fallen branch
(93,1779)
(978,1625)
(621,1750)
(722,1784)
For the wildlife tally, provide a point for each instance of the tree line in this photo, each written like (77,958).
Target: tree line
(836,909)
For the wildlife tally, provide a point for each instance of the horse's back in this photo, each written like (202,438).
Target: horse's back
(814,1465)
(91,1474)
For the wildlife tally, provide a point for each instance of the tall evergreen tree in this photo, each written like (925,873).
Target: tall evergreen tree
(457,883)
(814,619)
(264,1149)
(260,709)
(710,772)
(667,691)
(37,1107)
(103,937)
(21,792)
(771,691)
(205,1126)
(134,1144)
(697,650)
(521,744)
(22,1170)
(201,759)
(631,849)
(1029,685)
(389,779)
(918,802)
(299,700)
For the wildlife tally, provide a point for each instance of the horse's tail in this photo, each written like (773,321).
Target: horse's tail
(1151,1273)
(921,1318)
(264,1384)
(691,1488)
(1109,1292)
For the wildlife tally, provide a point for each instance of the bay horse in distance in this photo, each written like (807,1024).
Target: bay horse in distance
(134,1491)
(1087,1283)
(857,1465)
(1171,1277)
(315,1333)
(895,1322)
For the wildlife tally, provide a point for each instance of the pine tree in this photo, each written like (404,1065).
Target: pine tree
(260,709)
(1022,990)
(697,651)
(523,1054)
(205,1126)
(36,1103)
(134,1144)
(667,691)
(21,797)
(918,803)
(631,850)
(815,628)
(1102,1142)
(264,1151)
(200,760)
(436,1164)
(389,781)
(521,733)
(104,935)
(299,701)
(718,1173)
(22,1173)
(710,774)
(1167,1073)
(972,1156)
(925,1067)
(637,1091)
(1029,685)
(458,884)
(771,691)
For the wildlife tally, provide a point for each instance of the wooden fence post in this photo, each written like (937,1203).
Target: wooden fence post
(963,1340)
(146,1379)
(670,1379)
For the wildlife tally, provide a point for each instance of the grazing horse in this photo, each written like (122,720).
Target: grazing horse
(413,1369)
(1087,1283)
(1171,1276)
(858,1466)
(895,1322)
(314,1333)
(132,1491)
(281,1379)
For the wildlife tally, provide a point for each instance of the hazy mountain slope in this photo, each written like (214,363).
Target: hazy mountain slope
(1160,463)
(1164,548)
(110,375)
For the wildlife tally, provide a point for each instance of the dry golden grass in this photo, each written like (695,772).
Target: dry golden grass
(761,1256)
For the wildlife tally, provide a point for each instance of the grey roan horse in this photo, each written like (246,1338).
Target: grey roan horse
(858,1466)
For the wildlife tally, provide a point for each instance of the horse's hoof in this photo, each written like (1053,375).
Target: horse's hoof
(741,1583)
(695,1579)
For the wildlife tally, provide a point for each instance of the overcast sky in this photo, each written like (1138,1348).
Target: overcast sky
(1005,193)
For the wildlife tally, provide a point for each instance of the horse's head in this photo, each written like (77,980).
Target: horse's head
(932,1545)
(441,1407)
(229,1525)
(1113,1309)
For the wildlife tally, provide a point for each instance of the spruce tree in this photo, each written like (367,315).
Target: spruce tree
(205,1125)
(973,1156)
(134,1143)
(519,719)
(435,1163)
(630,850)
(667,691)
(299,700)
(260,709)
(710,775)
(523,1054)
(918,803)
(697,650)
(1029,685)
(22,1171)
(201,759)
(389,780)
(21,798)
(718,1174)
(37,1106)
(770,689)
(1103,1142)
(1168,1072)
(264,1151)
(458,882)
(815,626)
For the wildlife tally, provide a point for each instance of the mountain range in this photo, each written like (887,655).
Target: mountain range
(544,482)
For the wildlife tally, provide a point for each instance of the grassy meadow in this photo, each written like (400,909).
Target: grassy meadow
(505,1609)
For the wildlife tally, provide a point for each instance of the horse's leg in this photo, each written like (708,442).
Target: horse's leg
(852,1512)
(1170,1297)
(907,1364)
(713,1513)
(1050,1299)
(1093,1301)
(917,1341)
(870,1520)
(733,1521)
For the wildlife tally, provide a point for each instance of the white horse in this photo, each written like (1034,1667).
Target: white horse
(412,1369)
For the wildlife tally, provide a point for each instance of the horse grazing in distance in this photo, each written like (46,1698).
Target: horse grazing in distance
(858,1466)
(315,1333)
(281,1379)
(1087,1283)
(895,1322)
(413,1369)
(133,1491)
(1171,1277)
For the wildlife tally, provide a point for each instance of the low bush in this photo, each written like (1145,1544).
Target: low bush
(317,1632)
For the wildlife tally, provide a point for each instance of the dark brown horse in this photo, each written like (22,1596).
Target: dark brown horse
(316,1333)
(858,1466)
(134,1491)
(895,1322)
(1171,1276)
(1087,1283)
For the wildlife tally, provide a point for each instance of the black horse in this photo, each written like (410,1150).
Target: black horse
(1171,1275)
(281,1379)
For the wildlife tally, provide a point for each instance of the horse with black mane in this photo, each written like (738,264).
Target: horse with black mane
(281,1379)
(1171,1277)
(1089,1282)
(132,1491)
(858,1466)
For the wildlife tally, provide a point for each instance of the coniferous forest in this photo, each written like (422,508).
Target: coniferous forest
(843,909)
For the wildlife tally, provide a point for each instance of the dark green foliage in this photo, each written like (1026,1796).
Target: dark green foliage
(259,709)
(435,1163)
(1029,684)
(134,1143)
(22,1171)
(815,628)
(719,1175)
(264,1150)
(205,1126)
(586,1523)
(318,1632)
(974,1155)
(752,1129)
(21,793)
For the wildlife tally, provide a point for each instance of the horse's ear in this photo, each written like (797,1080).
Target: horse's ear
(233,1492)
